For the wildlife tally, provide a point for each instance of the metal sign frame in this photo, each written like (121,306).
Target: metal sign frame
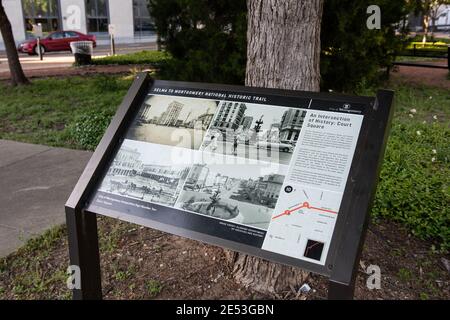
(351,225)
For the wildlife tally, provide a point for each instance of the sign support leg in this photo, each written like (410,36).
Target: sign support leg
(340,291)
(84,253)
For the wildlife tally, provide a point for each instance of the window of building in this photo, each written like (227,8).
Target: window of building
(97,16)
(44,12)
(143,22)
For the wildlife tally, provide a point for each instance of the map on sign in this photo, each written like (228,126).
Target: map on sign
(303,222)
(263,171)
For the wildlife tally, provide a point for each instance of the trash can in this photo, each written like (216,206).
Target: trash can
(82,51)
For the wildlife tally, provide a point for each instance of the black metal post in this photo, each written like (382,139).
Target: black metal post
(363,187)
(39,48)
(82,225)
(340,291)
(113,45)
(84,253)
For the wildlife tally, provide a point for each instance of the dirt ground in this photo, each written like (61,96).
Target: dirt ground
(141,263)
(422,76)
(78,71)
(191,270)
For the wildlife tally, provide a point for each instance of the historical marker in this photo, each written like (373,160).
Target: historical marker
(288,176)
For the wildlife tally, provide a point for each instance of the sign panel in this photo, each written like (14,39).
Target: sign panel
(259,172)
(37,30)
(111,29)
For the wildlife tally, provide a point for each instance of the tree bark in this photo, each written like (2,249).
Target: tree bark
(425,24)
(17,75)
(283,44)
(283,51)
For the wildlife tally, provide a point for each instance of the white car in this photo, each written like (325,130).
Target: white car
(284,147)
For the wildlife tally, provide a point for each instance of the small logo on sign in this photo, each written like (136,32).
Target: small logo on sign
(346,106)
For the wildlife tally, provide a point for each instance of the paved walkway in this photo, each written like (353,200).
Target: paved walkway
(35,182)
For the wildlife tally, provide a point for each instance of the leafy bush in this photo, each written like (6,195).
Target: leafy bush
(438,49)
(88,129)
(206,39)
(414,185)
(351,53)
(154,58)
(439,45)
(430,38)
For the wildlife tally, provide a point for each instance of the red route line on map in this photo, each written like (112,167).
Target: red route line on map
(304,205)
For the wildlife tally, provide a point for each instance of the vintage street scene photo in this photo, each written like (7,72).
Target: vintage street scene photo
(173,121)
(243,193)
(255,131)
(148,172)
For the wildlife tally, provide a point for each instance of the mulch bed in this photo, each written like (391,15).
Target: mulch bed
(141,263)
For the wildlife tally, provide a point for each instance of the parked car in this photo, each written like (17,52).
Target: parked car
(55,41)
(281,146)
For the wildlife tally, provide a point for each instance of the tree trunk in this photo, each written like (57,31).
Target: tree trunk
(283,51)
(425,24)
(283,44)
(17,75)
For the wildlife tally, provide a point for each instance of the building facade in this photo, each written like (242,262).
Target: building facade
(170,116)
(130,18)
(165,174)
(144,115)
(291,125)
(247,123)
(230,116)
(126,163)
(439,22)
(205,119)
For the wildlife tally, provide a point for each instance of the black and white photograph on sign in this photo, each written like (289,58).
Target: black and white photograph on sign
(244,193)
(254,131)
(148,172)
(174,121)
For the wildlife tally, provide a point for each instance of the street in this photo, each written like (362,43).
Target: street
(250,152)
(250,214)
(65,59)
(157,192)
(171,136)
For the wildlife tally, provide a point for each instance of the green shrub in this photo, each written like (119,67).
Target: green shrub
(206,39)
(414,185)
(438,46)
(351,53)
(88,129)
(153,58)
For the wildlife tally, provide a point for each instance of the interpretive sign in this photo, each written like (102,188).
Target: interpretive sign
(284,175)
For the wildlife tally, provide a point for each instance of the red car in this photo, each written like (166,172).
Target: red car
(55,41)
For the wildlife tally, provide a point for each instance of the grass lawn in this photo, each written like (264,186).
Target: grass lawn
(412,198)
(45,112)
(418,59)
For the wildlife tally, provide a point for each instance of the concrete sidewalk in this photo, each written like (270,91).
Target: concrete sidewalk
(35,182)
